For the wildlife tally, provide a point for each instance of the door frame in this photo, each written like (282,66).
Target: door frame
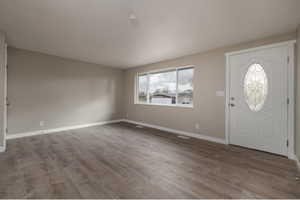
(3,65)
(291,91)
(5,96)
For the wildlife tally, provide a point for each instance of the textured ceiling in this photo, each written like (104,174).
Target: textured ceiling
(99,31)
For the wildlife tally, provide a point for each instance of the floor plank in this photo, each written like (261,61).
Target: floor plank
(122,161)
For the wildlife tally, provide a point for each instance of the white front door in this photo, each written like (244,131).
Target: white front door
(258,99)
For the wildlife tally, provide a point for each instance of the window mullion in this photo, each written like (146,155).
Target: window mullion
(137,89)
(148,86)
(176,87)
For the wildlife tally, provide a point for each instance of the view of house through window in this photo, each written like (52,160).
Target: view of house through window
(185,86)
(162,88)
(143,88)
(172,87)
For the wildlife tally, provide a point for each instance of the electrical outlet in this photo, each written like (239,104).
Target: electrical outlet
(42,123)
(127,115)
(197,126)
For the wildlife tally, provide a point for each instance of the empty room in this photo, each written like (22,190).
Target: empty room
(149,99)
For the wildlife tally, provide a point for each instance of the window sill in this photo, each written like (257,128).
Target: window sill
(167,105)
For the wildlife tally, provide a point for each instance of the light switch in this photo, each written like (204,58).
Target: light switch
(220,93)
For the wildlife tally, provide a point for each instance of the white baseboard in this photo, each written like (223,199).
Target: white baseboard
(297,162)
(193,135)
(55,130)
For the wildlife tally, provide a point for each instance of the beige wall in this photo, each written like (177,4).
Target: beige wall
(59,91)
(63,92)
(209,77)
(298,96)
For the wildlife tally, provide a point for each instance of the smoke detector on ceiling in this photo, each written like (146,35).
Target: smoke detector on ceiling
(132,16)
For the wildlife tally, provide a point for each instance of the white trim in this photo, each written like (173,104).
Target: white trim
(5,97)
(168,105)
(165,69)
(290,42)
(295,158)
(291,96)
(227,100)
(3,63)
(55,130)
(177,85)
(194,135)
(291,90)
(49,131)
(136,85)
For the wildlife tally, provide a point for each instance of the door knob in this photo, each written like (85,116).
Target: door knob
(232,105)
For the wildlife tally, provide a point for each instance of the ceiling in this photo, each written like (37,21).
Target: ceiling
(100,31)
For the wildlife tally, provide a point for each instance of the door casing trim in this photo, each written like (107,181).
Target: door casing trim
(291,90)
(3,66)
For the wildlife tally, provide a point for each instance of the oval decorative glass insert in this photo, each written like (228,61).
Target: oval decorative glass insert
(256,87)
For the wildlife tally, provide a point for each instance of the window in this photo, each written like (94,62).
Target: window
(255,87)
(162,88)
(185,86)
(171,87)
(143,89)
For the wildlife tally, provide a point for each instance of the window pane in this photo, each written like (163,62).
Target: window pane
(256,87)
(185,86)
(142,89)
(162,88)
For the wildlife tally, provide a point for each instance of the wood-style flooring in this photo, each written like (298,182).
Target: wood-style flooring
(122,161)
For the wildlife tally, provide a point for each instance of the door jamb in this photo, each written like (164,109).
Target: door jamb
(5,96)
(291,90)
(3,64)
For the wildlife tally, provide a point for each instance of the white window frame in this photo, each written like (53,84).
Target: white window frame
(136,90)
